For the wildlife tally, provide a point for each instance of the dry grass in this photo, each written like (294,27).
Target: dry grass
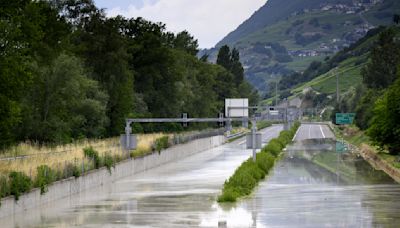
(57,157)
(236,130)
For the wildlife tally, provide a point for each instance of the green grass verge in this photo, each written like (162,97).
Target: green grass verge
(249,173)
(263,124)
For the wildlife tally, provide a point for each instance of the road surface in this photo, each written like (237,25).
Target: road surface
(313,131)
(179,194)
(307,188)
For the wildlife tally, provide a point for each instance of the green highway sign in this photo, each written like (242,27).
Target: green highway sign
(345,118)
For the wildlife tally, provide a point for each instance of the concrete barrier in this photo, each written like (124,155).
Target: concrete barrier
(95,178)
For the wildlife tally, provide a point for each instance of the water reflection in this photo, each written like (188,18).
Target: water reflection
(318,187)
(312,186)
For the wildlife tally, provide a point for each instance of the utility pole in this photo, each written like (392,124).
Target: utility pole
(276,93)
(337,86)
(253,135)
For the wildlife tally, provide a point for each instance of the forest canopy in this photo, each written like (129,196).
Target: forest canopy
(67,72)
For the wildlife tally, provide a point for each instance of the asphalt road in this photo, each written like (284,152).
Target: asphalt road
(313,131)
(178,194)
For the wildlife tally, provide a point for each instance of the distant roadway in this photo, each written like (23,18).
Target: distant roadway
(313,131)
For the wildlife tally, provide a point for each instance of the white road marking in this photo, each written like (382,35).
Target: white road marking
(295,135)
(320,128)
(309,132)
(243,142)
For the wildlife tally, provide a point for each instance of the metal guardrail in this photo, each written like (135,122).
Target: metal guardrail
(236,135)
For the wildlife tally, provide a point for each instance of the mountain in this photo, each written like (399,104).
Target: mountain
(285,36)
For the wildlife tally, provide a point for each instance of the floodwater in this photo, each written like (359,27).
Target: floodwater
(312,186)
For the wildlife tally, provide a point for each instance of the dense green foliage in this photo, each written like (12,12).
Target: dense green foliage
(263,124)
(161,143)
(45,176)
(19,183)
(384,129)
(226,84)
(249,173)
(93,155)
(381,72)
(69,72)
(376,102)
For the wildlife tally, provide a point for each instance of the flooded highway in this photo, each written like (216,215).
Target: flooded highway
(179,194)
(311,186)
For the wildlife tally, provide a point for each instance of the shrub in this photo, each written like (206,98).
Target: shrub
(139,153)
(108,162)
(246,177)
(265,162)
(45,176)
(4,187)
(72,170)
(89,152)
(285,137)
(19,183)
(263,124)
(161,143)
(274,147)
(229,195)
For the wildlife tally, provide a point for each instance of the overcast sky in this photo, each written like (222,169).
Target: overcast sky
(208,20)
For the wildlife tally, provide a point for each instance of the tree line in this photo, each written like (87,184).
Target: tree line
(68,72)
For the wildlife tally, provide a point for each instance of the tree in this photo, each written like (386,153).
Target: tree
(224,57)
(396,18)
(184,41)
(105,51)
(236,67)
(385,125)
(381,72)
(63,103)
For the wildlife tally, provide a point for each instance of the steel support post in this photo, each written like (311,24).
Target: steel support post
(128,131)
(253,135)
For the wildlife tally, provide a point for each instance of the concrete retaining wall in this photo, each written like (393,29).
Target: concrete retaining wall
(96,178)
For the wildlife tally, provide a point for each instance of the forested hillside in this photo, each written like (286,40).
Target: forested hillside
(369,78)
(69,72)
(285,36)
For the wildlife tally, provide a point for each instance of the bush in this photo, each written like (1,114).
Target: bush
(108,162)
(274,147)
(265,162)
(19,183)
(72,170)
(161,143)
(247,176)
(285,137)
(89,152)
(45,176)
(4,187)
(139,153)
(228,195)
(263,124)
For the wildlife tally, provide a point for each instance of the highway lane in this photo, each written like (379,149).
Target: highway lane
(311,188)
(179,194)
(313,131)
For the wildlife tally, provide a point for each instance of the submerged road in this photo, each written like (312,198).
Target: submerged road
(179,194)
(311,188)
(307,188)
(313,131)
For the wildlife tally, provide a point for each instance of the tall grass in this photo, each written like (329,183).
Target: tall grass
(61,157)
(249,173)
